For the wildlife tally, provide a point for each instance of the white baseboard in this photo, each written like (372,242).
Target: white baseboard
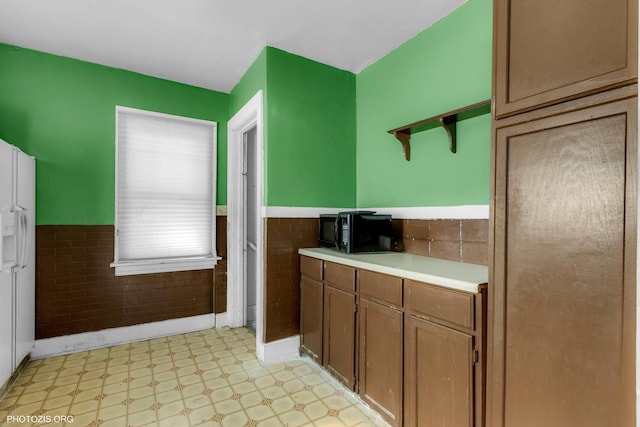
(222,320)
(278,351)
(109,337)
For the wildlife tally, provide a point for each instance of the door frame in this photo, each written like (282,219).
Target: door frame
(249,116)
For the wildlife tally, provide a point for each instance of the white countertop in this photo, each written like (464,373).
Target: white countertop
(442,272)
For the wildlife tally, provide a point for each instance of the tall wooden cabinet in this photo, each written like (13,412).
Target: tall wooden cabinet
(547,52)
(564,183)
(564,270)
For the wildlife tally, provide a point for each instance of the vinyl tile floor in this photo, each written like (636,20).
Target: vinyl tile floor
(206,378)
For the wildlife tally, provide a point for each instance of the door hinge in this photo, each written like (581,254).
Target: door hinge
(475,356)
(355,308)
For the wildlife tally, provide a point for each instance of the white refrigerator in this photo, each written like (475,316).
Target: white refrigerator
(17,259)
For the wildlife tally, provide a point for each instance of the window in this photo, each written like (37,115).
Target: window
(165,193)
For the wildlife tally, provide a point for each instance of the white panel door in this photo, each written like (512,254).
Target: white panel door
(251,218)
(6,295)
(25,277)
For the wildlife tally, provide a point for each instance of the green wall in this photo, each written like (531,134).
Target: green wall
(445,67)
(326,140)
(311,139)
(310,131)
(253,80)
(62,111)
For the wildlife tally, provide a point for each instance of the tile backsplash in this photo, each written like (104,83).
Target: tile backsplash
(282,273)
(463,240)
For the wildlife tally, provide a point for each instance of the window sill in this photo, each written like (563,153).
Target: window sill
(129,268)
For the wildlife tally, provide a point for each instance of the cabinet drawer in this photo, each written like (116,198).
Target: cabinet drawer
(311,267)
(445,304)
(380,286)
(340,276)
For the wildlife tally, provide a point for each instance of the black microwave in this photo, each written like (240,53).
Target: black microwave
(356,231)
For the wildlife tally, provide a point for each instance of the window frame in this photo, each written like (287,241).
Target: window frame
(165,265)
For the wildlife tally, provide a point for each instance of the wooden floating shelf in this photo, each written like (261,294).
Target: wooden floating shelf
(447,121)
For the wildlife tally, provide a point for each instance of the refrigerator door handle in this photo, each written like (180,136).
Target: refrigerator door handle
(25,238)
(21,238)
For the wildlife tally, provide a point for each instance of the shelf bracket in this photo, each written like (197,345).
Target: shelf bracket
(447,120)
(404,136)
(449,124)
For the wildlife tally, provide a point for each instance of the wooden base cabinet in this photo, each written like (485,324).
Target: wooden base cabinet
(413,351)
(439,375)
(444,356)
(381,357)
(339,335)
(311,308)
(339,346)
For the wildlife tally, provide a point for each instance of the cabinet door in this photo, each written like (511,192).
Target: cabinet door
(546,52)
(339,335)
(381,359)
(439,376)
(311,301)
(563,306)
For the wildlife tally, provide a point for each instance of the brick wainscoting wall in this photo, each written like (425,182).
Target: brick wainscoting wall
(457,240)
(282,284)
(77,291)
(220,272)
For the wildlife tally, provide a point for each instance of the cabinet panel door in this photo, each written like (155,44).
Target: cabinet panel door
(564,274)
(381,361)
(439,376)
(339,335)
(311,301)
(547,52)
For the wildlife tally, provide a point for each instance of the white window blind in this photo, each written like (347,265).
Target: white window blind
(165,192)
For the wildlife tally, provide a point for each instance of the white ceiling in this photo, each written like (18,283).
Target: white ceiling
(211,43)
